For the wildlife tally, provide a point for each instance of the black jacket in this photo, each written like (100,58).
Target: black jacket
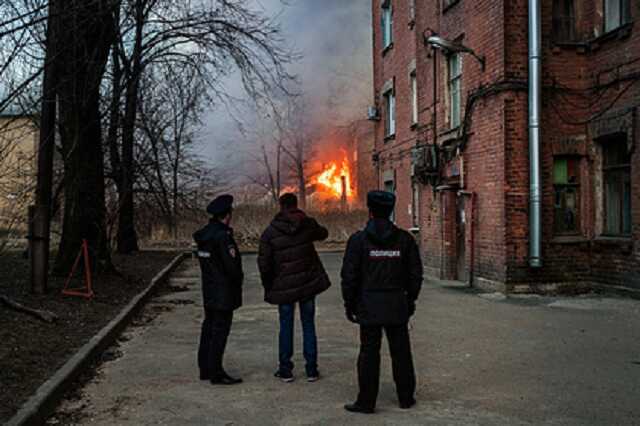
(381,274)
(290,267)
(221,267)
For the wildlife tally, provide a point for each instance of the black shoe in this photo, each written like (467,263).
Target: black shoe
(405,405)
(205,376)
(285,376)
(313,376)
(225,379)
(355,408)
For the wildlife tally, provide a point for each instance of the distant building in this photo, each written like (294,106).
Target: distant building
(18,148)
(364,148)
(452,140)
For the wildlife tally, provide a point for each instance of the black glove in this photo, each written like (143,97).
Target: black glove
(351,314)
(412,307)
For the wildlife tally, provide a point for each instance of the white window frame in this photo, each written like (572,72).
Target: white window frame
(413,79)
(387,24)
(390,113)
(454,84)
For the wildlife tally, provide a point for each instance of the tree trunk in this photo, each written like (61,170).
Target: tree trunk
(42,212)
(127,237)
(302,188)
(84,50)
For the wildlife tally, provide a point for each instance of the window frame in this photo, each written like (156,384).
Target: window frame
(620,173)
(389,113)
(413,83)
(415,204)
(454,86)
(563,19)
(624,14)
(387,25)
(392,189)
(412,12)
(564,187)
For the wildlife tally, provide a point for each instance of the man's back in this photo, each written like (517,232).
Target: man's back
(382,273)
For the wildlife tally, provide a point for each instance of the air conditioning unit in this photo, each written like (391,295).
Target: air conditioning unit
(425,164)
(373,114)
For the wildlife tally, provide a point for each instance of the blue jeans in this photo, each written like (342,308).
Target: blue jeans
(310,344)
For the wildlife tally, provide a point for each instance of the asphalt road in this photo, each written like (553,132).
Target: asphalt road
(480,359)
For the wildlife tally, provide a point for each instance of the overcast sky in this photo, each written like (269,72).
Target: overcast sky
(334,39)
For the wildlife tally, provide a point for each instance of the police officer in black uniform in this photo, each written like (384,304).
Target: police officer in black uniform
(222,278)
(381,280)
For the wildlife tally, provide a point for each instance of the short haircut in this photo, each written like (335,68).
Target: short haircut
(288,201)
(381,212)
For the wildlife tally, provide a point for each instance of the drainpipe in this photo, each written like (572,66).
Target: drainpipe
(535,197)
(472,231)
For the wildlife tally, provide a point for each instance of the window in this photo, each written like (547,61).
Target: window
(415,205)
(412,11)
(564,21)
(616,172)
(616,14)
(566,187)
(390,113)
(455,78)
(390,186)
(448,3)
(387,24)
(414,97)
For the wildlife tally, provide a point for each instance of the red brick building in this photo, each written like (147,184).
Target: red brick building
(453,132)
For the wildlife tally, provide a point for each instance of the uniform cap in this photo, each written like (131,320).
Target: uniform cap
(220,205)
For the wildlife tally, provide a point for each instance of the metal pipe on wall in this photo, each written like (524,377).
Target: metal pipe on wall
(535,196)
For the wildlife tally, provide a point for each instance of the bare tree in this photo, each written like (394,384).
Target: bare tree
(214,38)
(298,144)
(171,171)
(82,52)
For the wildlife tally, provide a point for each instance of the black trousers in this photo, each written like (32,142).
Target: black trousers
(213,341)
(369,363)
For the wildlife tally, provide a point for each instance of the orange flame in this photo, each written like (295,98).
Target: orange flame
(330,181)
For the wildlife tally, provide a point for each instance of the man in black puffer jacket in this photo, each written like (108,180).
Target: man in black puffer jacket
(381,281)
(291,273)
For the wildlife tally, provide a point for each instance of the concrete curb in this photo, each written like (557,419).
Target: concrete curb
(39,406)
(619,291)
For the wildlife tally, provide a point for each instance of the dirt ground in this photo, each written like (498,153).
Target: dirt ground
(32,350)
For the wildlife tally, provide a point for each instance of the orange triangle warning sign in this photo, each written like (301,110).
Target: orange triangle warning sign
(86,291)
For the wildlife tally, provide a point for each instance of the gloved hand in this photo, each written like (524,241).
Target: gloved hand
(351,314)
(412,307)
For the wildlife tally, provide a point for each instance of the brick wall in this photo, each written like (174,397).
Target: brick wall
(584,83)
